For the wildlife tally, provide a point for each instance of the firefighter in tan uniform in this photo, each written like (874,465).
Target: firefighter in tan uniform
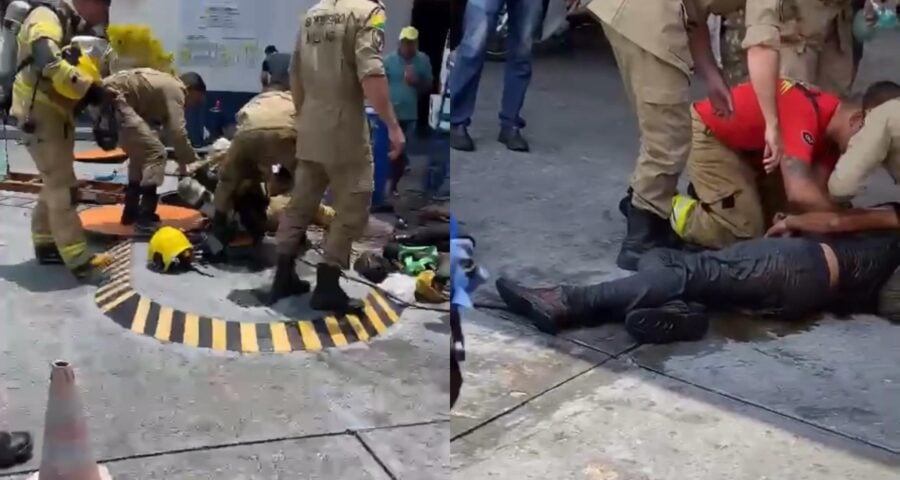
(144,96)
(266,139)
(657,45)
(876,144)
(816,44)
(46,93)
(337,66)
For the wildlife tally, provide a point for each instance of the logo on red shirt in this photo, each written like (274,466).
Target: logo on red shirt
(808,138)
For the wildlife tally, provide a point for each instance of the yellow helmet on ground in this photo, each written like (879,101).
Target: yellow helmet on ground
(169,246)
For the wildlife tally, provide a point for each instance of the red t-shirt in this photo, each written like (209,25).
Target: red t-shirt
(802,128)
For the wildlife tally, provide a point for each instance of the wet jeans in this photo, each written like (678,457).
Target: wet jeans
(787,277)
(479,20)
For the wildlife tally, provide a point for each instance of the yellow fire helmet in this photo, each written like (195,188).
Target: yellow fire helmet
(169,247)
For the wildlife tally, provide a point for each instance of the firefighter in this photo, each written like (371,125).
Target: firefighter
(144,97)
(52,83)
(334,152)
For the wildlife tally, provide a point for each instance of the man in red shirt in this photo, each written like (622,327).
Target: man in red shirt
(736,193)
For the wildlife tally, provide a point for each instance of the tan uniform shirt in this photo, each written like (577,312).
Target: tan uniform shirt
(157,97)
(268,110)
(809,23)
(339,44)
(660,26)
(877,144)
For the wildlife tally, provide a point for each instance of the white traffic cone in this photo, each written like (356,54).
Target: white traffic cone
(67,451)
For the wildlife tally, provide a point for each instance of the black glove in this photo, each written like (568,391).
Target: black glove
(95,95)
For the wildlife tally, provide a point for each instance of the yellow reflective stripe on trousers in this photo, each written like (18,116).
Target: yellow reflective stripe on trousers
(42,239)
(75,255)
(682,207)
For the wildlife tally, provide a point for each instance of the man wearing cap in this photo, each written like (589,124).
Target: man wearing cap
(409,74)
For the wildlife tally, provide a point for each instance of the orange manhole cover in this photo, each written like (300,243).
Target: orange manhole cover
(105,220)
(98,155)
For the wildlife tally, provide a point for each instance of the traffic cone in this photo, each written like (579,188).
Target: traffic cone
(67,452)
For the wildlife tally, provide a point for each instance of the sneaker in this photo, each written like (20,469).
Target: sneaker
(545,307)
(460,139)
(673,322)
(513,139)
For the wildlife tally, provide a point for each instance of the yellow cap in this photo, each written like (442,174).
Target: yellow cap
(409,33)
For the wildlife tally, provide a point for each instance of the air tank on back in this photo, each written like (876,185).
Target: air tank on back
(15,14)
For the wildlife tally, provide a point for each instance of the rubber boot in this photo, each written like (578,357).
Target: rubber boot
(15,448)
(132,208)
(328,295)
(675,321)
(47,254)
(148,221)
(646,231)
(547,308)
(287,283)
(92,272)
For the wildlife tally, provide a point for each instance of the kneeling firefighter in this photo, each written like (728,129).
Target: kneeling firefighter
(50,81)
(264,143)
(144,96)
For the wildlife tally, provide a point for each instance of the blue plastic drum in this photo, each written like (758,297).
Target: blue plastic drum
(380,147)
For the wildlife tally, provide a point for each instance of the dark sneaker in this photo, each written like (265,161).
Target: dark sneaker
(673,322)
(513,139)
(646,231)
(15,448)
(460,139)
(545,307)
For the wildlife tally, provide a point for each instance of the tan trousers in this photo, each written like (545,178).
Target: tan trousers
(146,153)
(660,95)
(249,162)
(351,186)
(737,199)
(55,219)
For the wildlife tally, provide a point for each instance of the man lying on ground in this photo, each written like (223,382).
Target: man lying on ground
(876,144)
(735,192)
(845,263)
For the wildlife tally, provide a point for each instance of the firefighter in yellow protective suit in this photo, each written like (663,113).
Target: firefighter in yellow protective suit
(53,82)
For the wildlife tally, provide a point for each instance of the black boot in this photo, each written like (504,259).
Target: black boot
(15,448)
(148,220)
(625,203)
(47,255)
(460,139)
(132,208)
(287,283)
(673,322)
(547,308)
(646,231)
(513,139)
(328,295)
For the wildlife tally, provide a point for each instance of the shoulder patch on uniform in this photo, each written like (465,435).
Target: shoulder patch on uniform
(377,19)
(808,138)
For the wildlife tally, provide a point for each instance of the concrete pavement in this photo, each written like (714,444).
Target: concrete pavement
(374,410)
(754,400)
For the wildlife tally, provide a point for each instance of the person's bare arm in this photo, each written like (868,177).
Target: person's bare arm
(856,220)
(762,42)
(375,87)
(705,62)
(800,186)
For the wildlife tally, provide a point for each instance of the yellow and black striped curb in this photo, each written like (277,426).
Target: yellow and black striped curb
(118,300)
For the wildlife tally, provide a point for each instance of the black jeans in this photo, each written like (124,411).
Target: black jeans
(432,18)
(787,277)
